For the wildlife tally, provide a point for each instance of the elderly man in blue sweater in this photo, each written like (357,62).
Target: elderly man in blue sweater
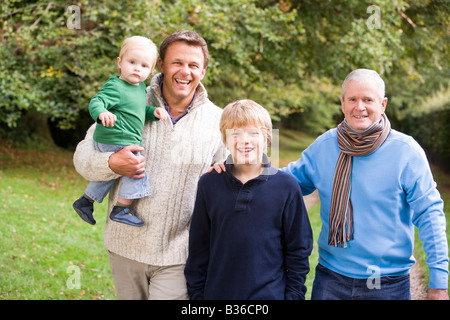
(375,185)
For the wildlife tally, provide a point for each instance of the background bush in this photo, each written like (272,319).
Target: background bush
(289,55)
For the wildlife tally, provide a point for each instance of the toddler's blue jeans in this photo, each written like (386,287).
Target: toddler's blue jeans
(129,189)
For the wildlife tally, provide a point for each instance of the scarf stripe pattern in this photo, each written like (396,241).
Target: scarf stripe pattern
(352,143)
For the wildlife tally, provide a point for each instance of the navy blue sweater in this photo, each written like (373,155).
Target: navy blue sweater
(248,241)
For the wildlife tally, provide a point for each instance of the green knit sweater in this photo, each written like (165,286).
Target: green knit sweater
(128,103)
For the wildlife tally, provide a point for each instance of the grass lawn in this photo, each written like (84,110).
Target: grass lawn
(48,252)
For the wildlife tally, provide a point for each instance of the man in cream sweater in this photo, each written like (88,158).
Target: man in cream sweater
(148,262)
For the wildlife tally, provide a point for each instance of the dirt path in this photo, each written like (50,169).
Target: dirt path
(418,290)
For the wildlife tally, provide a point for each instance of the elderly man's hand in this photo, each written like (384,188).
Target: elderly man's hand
(437,294)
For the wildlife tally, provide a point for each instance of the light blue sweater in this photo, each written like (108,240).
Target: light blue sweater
(392,190)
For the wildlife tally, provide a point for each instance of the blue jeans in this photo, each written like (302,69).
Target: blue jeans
(129,189)
(329,285)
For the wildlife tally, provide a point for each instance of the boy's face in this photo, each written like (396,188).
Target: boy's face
(136,66)
(246,144)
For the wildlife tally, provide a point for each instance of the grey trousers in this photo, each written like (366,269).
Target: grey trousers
(139,281)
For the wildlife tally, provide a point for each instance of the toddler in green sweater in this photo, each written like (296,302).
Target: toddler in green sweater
(120,111)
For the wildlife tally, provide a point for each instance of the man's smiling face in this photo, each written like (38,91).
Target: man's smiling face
(183,69)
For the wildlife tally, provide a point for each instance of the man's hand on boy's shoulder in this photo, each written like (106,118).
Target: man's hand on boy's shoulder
(218,167)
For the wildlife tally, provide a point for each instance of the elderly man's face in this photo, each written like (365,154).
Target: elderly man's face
(361,104)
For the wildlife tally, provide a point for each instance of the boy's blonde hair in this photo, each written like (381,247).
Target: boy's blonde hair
(139,42)
(242,113)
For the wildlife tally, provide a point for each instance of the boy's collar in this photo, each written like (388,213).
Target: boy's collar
(267,171)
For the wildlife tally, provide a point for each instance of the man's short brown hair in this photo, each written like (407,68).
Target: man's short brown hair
(189,37)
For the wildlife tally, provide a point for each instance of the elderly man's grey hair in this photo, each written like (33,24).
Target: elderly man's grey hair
(365,75)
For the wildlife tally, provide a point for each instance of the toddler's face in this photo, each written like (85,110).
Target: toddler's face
(136,66)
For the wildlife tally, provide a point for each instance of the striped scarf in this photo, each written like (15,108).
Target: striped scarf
(351,143)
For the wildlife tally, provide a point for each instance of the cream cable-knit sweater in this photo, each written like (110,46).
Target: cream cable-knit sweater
(176,156)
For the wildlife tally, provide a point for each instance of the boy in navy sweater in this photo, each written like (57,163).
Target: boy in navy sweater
(250,236)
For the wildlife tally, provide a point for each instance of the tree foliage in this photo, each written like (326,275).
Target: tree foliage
(289,55)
